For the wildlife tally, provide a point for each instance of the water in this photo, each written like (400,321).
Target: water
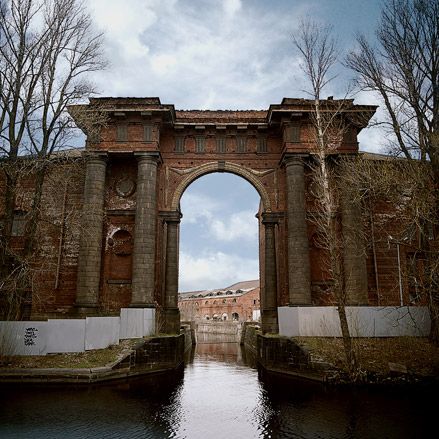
(218,395)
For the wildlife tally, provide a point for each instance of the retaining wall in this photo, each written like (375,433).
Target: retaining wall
(74,335)
(364,321)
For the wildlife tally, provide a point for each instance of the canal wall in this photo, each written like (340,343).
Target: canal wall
(222,327)
(158,354)
(364,321)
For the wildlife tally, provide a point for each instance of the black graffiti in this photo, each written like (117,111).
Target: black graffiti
(30,334)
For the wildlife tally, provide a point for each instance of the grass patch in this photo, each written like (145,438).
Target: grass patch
(86,360)
(374,354)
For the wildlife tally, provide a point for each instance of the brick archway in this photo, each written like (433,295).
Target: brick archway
(141,163)
(229,167)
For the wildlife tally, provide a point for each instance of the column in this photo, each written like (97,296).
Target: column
(143,279)
(269,296)
(90,246)
(171,317)
(354,254)
(299,277)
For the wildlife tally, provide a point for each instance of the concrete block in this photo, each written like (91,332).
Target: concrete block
(148,321)
(131,323)
(319,321)
(23,338)
(101,332)
(65,335)
(288,321)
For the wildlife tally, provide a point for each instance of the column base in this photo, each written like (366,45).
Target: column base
(269,321)
(86,309)
(169,321)
(141,305)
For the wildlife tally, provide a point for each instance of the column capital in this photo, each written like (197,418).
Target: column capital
(95,156)
(151,156)
(170,216)
(290,159)
(271,218)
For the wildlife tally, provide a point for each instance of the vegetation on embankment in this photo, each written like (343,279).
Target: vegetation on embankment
(82,360)
(378,358)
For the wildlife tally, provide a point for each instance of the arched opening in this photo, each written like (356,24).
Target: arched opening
(219,245)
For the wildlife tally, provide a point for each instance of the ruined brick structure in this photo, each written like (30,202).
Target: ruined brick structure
(238,302)
(129,193)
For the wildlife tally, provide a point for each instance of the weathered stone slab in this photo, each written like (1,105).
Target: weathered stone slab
(101,332)
(65,335)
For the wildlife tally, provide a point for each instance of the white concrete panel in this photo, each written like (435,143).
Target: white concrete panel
(23,338)
(319,321)
(361,321)
(402,321)
(131,323)
(288,321)
(364,321)
(65,335)
(101,332)
(148,321)
(256,315)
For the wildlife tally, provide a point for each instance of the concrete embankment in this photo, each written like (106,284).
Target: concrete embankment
(151,355)
(281,355)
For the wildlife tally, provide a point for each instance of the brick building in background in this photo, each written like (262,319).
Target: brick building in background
(109,233)
(238,302)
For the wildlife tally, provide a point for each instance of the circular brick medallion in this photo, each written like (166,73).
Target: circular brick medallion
(125,187)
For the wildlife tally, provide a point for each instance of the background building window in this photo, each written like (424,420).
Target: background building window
(221,145)
(19,224)
(199,144)
(147,133)
(121,133)
(241,144)
(262,144)
(293,134)
(179,144)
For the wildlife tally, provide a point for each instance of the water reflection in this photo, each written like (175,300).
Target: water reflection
(216,395)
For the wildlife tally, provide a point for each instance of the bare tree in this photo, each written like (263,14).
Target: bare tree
(319,56)
(403,68)
(47,50)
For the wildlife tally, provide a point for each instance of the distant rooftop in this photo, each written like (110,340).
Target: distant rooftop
(233,290)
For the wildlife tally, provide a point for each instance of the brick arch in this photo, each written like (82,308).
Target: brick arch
(229,167)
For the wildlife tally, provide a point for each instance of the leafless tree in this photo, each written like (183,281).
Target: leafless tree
(47,50)
(403,68)
(319,55)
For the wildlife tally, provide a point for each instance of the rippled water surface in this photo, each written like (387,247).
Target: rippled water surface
(217,395)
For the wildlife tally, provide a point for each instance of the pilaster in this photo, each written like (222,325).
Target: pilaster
(143,278)
(171,312)
(299,277)
(90,247)
(269,296)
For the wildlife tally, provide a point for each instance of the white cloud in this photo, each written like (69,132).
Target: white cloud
(219,224)
(196,54)
(214,270)
(231,7)
(196,207)
(239,226)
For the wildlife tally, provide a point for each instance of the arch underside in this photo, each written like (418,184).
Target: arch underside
(232,168)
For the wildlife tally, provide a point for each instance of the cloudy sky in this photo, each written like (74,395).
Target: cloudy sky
(220,54)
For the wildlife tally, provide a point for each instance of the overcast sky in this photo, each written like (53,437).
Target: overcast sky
(220,54)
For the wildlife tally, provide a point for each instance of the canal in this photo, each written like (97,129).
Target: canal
(219,394)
